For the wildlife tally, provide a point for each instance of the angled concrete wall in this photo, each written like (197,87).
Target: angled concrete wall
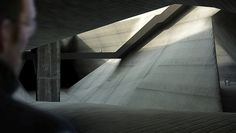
(225,38)
(175,71)
(82,66)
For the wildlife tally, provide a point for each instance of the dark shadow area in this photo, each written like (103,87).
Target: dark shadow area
(71,70)
(74,70)
(69,75)
(225,41)
(28,76)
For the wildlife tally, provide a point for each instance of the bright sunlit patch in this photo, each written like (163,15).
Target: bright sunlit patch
(114,61)
(144,19)
(111,37)
(199,13)
(195,25)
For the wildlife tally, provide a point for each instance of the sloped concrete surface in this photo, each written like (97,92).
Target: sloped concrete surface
(175,71)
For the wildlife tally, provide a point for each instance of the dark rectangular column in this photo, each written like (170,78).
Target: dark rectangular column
(48,73)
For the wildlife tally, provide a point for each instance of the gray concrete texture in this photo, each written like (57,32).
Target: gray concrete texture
(92,118)
(59,19)
(225,39)
(48,72)
(111,37)
(175,71)
(82,65)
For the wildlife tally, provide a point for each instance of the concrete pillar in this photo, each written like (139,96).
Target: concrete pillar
(48,73)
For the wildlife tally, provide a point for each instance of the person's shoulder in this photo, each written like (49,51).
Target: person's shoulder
(22,117)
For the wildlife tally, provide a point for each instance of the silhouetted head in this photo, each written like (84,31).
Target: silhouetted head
(17,24)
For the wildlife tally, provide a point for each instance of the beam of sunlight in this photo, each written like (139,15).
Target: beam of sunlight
(191,27)
(111,37)
(93,81)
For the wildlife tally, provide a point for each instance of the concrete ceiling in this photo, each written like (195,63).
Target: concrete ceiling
(59,19)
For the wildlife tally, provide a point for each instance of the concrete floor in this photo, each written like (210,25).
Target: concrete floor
(92,118)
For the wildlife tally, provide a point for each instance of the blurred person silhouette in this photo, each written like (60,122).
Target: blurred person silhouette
(17,24)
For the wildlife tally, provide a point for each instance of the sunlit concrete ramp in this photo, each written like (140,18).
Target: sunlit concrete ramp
(175,71)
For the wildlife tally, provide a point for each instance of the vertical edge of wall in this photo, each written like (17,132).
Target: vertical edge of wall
(215,55)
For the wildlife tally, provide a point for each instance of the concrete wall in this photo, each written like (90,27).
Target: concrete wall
(79,67)
(225,38)
(175,71)
(54,23)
